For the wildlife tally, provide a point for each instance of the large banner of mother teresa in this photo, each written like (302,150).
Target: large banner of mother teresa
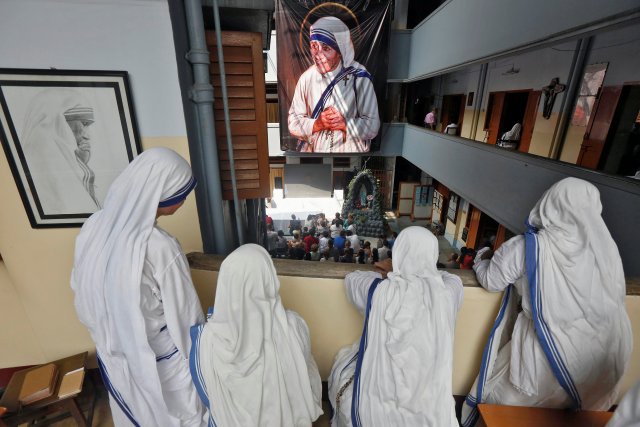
(332,69)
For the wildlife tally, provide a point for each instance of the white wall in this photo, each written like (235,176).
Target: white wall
(124,35)
(129,35)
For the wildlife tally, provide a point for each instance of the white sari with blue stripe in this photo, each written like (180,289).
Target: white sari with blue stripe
(133,292)
(251,361)
(400,372)
(571,342)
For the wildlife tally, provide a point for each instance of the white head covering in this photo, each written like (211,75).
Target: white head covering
(407,368)
(47,112)
(334,33)
(109,258)
(513,134)
(579,271)
(252,365)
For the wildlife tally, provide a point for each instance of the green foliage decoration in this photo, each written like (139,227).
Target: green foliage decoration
(370,218)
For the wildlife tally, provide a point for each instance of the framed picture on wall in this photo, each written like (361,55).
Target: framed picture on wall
(67,135)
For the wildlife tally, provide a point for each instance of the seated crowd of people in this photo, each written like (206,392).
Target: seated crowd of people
(319,240)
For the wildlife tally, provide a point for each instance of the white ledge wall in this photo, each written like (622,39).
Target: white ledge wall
(463,31)
(334,323)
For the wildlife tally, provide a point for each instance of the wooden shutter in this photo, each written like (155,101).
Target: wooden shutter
(244,71)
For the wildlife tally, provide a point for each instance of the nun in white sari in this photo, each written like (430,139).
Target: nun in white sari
(133,291)
(570,344)
(400,372)
(251,361)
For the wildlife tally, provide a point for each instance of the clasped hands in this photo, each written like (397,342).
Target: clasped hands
(330,119)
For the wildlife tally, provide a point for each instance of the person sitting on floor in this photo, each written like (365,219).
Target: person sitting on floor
(572,339)
(296,246)
(340,240)
(354,239)
(309,240)
(335,229)
(251,361)
(348,256)
(314,254)
(466,258)
(400,371)
(391,240)
(323,241)
(383,252)
(334,253)
(281,245)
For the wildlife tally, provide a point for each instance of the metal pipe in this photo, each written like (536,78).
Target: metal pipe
(202,95)
(566,108)
(227,123)
(482,79)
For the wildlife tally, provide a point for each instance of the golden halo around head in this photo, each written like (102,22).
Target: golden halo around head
(338,7)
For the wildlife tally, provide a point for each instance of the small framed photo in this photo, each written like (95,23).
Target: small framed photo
(470,99)
(67,135)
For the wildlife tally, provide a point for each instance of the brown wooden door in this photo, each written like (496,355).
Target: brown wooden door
(529,120)
(598,127)
(244,71)
(451,104)
(474,225)
(496,115)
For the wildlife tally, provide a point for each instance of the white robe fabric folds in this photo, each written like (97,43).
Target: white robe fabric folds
(571,343)
(251,362)
(400,372)
(134,293)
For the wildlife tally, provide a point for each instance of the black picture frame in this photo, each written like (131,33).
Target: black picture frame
(67,134)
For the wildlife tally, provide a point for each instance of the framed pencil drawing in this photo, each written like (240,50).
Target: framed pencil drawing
(67,135)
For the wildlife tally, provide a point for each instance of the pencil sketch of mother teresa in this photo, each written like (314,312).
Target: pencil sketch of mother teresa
(57,144)
(334,107)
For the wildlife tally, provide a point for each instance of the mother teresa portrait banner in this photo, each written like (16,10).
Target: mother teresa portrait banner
(332,69)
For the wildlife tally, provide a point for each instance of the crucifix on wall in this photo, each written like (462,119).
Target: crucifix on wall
(550,93)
